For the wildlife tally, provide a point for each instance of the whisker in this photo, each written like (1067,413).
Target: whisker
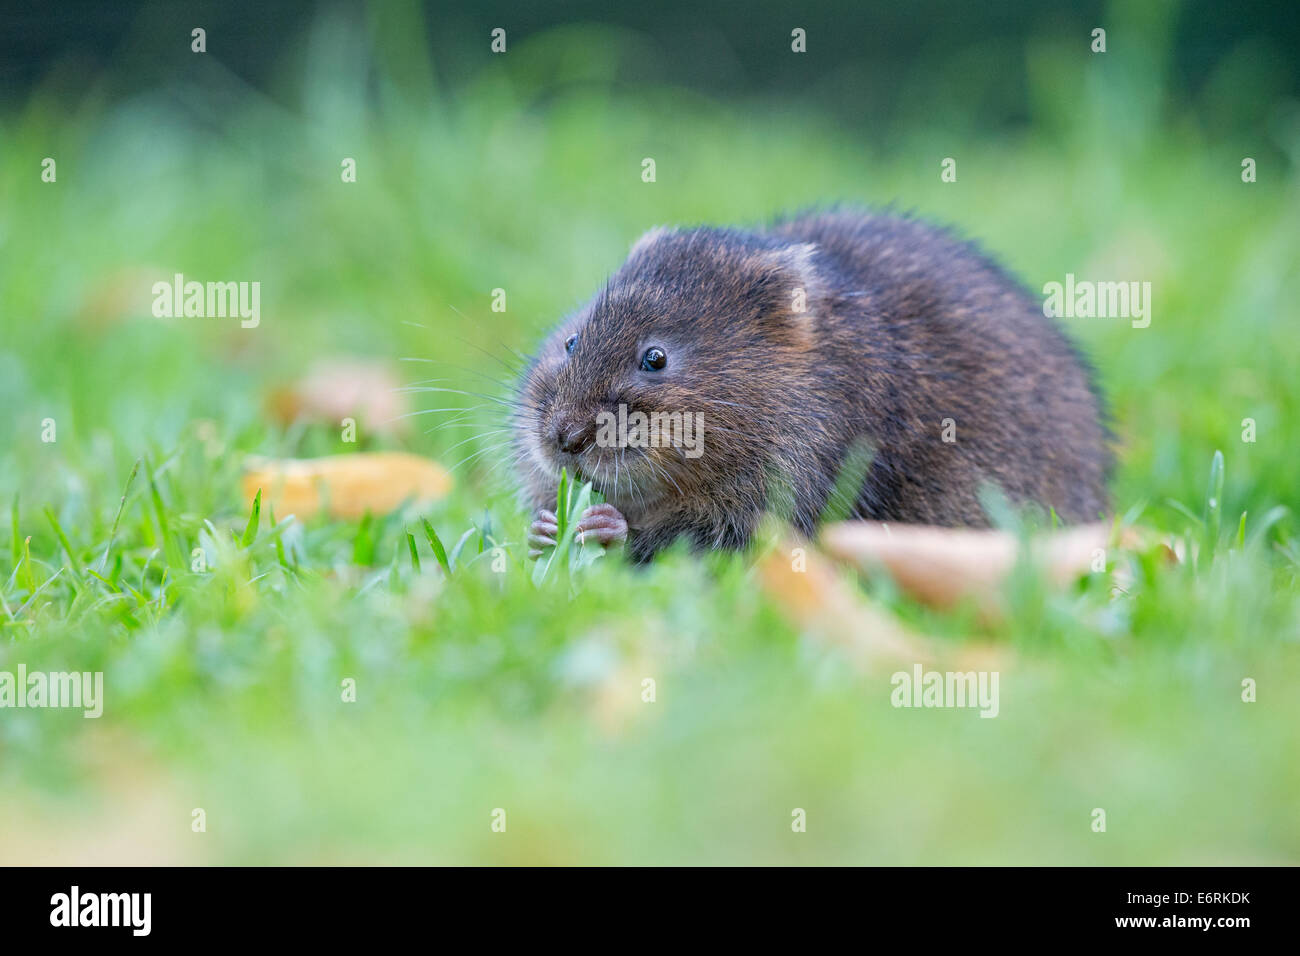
(475,437)
(484,451)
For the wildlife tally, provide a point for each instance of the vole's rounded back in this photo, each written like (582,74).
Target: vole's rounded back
(791,347)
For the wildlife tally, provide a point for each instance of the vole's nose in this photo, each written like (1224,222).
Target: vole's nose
(570,438)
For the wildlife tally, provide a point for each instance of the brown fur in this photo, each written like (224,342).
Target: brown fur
(905,327)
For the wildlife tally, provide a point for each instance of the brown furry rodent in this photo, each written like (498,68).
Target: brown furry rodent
(908,340)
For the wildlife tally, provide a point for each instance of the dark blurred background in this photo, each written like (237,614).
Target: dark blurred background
(876,67)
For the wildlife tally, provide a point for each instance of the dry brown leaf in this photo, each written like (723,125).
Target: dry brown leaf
(350,485)
(943,566)
(810,589)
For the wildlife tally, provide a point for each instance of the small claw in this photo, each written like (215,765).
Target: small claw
(603,525)
(542,533)
(541,541)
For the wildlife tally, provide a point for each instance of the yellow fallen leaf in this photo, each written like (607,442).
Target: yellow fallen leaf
(348,485)
(943,566)
(814,596)
(808,586)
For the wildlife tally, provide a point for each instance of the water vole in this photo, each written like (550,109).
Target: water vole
(793,345)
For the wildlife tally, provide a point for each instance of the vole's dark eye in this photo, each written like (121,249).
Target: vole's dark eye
(654,359)
(570,342)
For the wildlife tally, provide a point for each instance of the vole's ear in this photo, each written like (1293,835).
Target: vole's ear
(788,285)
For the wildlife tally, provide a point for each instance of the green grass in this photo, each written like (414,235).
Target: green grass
(478,689)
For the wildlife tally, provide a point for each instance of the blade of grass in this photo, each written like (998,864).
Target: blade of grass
(582,556)
(363,546)
(67,547)
(848,481)
(17,543)
(460,546)
(1186,512)
(250,529)
(562,500)
(573,503)
(1261,530)
(435,543)
(29,579)
(121,506)
(36,591)
(1213,507)
(279,543)
(171,552)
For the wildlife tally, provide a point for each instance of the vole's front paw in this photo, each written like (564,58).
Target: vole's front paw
(603,525)
(542,532)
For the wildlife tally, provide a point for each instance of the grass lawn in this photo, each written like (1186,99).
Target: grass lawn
(479,689)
